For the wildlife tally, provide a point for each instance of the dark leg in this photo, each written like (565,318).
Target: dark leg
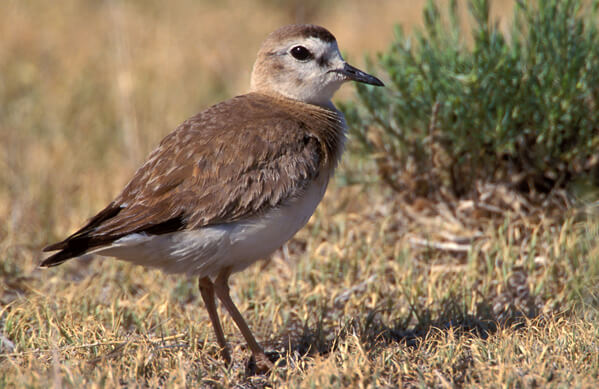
(207,292)
(221,287)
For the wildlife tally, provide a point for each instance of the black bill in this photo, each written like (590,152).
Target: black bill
(356,74)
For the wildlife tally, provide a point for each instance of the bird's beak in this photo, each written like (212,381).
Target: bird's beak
(354,74)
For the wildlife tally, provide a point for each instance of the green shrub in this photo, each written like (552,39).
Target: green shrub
(519,107)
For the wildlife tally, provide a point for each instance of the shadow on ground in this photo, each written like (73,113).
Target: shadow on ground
(512,308)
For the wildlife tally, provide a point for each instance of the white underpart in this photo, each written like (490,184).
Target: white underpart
(207,251)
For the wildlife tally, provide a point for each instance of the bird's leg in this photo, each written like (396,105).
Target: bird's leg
(221,287)
(207,292)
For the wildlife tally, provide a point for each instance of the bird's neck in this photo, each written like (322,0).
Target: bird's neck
(324,121)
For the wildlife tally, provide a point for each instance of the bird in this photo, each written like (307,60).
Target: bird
(233,183)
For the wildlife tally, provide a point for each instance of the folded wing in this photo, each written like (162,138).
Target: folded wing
(238,158)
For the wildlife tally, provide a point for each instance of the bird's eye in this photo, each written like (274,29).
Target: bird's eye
(301,53)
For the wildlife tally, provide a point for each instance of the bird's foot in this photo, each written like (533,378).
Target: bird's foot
(261,364)
(225,356)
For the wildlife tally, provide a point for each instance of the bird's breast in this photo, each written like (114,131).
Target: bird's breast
(258,237)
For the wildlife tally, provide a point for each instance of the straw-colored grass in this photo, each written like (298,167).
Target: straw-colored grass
(374,292)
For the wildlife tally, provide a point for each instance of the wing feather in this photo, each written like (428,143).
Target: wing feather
(234,160)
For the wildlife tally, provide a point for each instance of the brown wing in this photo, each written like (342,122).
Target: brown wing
(236,159)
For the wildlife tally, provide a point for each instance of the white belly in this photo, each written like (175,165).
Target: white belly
(205,252)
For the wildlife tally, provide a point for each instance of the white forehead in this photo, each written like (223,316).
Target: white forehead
(317,46)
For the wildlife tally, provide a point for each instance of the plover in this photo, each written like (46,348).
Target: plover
(233,183)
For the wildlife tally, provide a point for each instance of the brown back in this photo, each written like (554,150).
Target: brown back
(236,159)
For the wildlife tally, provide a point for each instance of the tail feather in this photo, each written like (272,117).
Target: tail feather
(87,239)
(55,246)
(69,248)
(57,259)
(74,247)
(82,240)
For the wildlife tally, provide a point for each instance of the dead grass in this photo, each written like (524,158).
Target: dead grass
(377,291)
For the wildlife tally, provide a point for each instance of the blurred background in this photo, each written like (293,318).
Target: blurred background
(377,288)
(88,88)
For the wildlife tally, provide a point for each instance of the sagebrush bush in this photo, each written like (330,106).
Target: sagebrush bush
(519,106)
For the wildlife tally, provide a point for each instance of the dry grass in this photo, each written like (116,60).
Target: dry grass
(374,292)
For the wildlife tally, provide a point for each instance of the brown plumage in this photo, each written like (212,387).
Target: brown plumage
(233,183)
(213,170)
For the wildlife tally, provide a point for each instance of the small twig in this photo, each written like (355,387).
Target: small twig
(439,245)
(490,208)
(178,345)
(460,239)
